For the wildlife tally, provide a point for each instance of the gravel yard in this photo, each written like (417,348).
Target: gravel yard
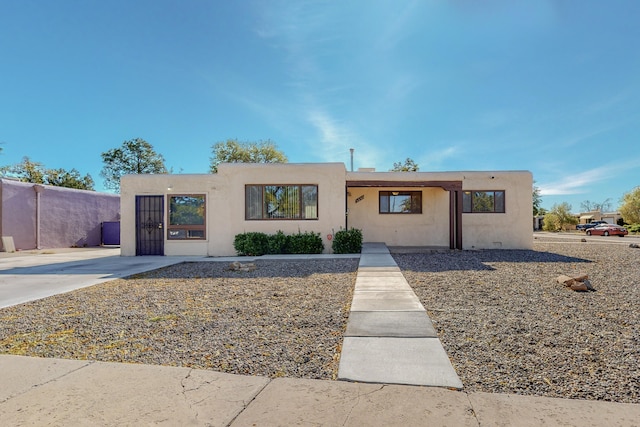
(283,319)
(507,326)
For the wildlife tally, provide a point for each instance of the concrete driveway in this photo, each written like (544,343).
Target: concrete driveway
(31,275)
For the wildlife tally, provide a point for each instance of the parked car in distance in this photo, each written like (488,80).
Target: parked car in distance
(583,227)
(607,230)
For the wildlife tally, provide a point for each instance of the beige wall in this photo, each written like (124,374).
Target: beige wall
(225,207)
(511,230)
(225,203)
(431,228)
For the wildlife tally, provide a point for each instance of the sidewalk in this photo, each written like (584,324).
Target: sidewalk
(57,392)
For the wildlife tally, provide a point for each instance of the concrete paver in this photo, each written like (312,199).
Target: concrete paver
(402,324)
(377,283)
(376,260)
(412,361)
(386,301)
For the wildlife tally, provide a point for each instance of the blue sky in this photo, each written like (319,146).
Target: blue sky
(547,86)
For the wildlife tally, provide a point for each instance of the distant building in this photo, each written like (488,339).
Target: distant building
(609,217)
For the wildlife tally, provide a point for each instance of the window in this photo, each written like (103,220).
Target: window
(483,202)
(400,202)
(281,201)
(186,217)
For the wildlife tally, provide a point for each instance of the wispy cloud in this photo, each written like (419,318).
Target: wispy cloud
(606,104)
(336,138)
(578,183)
(398,26)
(433,160)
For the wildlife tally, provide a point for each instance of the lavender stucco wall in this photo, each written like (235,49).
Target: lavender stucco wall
(68,217)
(18,213)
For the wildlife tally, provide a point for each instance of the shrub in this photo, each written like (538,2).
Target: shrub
(251,244)
(256,244)
(347,241)
(633,228)
(305,243)
(279,243)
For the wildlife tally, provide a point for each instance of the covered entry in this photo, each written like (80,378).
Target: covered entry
(448,223)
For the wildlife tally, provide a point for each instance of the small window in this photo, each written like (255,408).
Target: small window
(483,202)
(186,217)
(281,202)
(400,202)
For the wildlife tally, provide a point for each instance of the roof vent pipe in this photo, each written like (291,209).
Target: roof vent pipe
(351,150)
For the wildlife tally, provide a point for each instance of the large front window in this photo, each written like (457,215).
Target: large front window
(186,217)
(281,202)
(400,202)
(483,202)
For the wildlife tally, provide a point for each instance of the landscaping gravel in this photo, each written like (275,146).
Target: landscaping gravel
(286,318)
(509,327)
(506,324)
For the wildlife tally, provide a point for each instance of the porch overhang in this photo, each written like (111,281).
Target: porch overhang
(455,200)
(446,185)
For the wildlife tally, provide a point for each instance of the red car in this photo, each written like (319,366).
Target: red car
(607,230)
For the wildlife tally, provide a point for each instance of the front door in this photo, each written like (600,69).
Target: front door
(149,225)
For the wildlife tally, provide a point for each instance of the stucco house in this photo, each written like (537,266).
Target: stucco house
(201,214)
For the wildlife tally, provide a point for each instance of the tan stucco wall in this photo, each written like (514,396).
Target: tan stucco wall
(225,203)
(431,228)
(511,230)
(225,207)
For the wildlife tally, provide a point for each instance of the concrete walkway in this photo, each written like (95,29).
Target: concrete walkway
(390,338)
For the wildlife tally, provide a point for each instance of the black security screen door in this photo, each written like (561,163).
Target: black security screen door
(149,225)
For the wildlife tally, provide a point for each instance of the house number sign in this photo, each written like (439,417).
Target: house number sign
(359,199)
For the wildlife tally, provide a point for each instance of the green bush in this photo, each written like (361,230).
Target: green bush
(305,243)
(256,244)
(633,228)
(279,243)
(251,244)
(347,241)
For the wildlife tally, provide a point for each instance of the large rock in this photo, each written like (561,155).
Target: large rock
(237,266)
(578,283)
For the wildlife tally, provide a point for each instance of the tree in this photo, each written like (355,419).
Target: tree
(234,151)
(136,156)
(26,171)
(36,173)
(559,217)
(630,208)
(537,200)
(69,179)
(408,166)
(588,206)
